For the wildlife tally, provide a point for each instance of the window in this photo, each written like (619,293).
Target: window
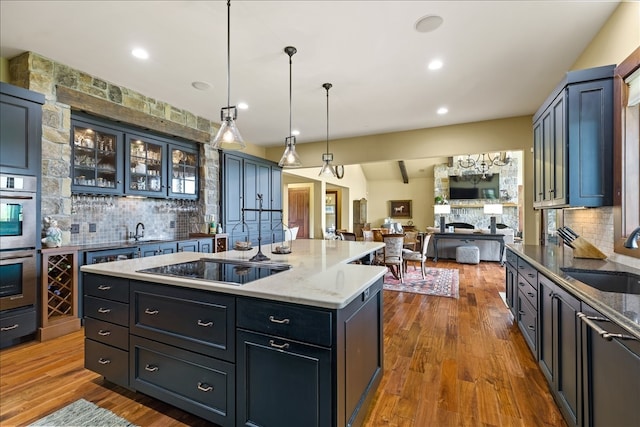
(626,151)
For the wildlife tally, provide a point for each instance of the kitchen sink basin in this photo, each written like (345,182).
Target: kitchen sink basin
(607,281)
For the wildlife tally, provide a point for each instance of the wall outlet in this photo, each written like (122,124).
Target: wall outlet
(75,228)
(92,228)
(172,224)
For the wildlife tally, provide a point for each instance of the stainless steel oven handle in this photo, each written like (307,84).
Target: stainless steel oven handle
(17,255)
(11,197)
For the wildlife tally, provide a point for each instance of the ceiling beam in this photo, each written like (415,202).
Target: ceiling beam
(403,171)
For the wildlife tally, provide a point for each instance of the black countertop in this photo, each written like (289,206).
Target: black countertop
(623,309)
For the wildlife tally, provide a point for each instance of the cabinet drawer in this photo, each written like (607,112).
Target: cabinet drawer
(297,323)
(196,320)
(527,290)
(104,309)
(527,321)
(110,362)
(107,333)
(527,271)
(512,258)
(113,288)
(193,382)
(17,325)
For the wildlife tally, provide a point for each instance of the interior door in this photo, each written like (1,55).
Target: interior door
(299,211)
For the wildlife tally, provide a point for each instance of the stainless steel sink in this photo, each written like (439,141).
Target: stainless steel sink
(607,281)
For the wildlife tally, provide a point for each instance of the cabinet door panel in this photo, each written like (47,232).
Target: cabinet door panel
(282,383)
(233,184)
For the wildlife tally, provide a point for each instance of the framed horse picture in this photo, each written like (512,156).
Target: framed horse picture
(400,208)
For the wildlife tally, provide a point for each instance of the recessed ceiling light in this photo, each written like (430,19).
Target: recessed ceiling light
(436,64)
(428,23)
(140,53)
(443,110)
(242,105)
(295,132)
(201,85)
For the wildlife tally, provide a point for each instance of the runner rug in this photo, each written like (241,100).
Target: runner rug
(82,413)
(442,282)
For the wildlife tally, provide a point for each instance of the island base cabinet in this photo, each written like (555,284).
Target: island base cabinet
(282,383)
(196,383)
(110,362)
(611,373)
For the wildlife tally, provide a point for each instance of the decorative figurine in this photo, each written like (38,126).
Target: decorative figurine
(53,234)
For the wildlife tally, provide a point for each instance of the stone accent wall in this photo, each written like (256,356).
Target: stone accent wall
(39,74)
(472,211)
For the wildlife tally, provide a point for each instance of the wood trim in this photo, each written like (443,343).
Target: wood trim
(621,72)
(103,108)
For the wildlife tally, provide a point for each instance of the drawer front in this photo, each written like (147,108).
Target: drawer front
(107,333)
(512,258)
(527,290)
(296,323)
(107,310)
(113,288)
(527,271)
(199,321)
(193,382)
(110,362)
(18,325)
(527,321)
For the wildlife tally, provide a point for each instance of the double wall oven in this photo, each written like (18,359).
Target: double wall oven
(19,239)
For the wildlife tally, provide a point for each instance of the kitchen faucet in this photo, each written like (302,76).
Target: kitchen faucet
(138,234)
(632,240)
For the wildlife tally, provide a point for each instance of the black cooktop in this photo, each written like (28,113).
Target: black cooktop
(234,272)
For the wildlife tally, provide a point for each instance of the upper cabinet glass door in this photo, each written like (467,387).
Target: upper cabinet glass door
(184,172)
(146,166)
(97,154)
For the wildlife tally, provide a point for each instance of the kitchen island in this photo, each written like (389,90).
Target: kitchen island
(302,346)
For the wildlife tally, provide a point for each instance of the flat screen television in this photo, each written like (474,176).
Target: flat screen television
(473,186)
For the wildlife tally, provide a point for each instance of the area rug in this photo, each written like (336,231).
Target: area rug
(82,413)
(442,282)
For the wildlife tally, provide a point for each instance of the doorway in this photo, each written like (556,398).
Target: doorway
(299,210)
(331,211)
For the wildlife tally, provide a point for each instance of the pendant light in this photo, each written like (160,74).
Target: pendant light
(228,136)
(327,168)
(290,158)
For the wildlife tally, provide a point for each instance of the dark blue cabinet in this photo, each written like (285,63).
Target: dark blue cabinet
(573,142)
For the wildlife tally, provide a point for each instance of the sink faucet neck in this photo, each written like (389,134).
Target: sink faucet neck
(632,240)
(139,233)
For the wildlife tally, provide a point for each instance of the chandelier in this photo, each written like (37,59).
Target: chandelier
(483,163)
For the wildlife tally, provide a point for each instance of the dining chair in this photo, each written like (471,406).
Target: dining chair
(367,235)
(421,256)
(377,235)
(411,240)
(348,236)
(391,256)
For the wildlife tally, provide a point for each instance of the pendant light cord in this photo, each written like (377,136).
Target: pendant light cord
(290,98)
(327,86)
(229,57)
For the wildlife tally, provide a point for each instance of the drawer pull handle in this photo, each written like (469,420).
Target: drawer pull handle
(533,328)
(104,333)
(282,322)
(589,320)
(531,275)
(104,361)
(204,387)
(150,312)
(104,288)
(520,284)
(151,368)
(530,294)
(278,346)
(201,323)
(521,313)
(104,310)
(8,328)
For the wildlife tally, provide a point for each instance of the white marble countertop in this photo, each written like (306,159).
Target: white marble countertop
(320,273)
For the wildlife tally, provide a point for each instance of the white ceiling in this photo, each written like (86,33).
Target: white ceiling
(501,58)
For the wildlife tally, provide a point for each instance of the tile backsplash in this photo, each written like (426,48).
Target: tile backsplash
(596,226)
(114,218)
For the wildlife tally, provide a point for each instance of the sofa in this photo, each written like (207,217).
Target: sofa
(489,249)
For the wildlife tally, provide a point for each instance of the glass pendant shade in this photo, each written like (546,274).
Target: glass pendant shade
(327,168)
(290,158)
(228,136)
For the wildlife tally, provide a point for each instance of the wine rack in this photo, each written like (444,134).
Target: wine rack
(59,292)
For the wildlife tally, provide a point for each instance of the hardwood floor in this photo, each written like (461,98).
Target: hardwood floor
(448,362)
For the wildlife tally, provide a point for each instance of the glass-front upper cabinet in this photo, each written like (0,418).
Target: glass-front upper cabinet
(97,156)
(145,166)
(184,172)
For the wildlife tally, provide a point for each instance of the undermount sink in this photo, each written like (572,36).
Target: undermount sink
(607,281)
